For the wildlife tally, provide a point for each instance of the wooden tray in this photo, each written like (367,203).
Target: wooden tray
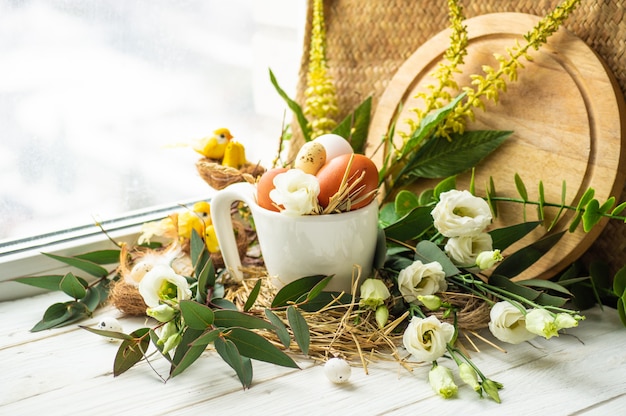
(566,111)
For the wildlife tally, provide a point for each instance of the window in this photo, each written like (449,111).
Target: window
(99,99)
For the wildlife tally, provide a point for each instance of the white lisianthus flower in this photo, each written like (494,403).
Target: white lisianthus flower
(487,259)
(162,313)
(565,320)
(440,379)
(469,376)
(508,323)
(373,293)
(459,213)
(541,322)
(464,250)
(421,279)
(296,191)
(426,338)
(161,283)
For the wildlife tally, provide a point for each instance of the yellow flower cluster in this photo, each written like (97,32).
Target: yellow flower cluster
(489,85)
(321,95)
(454,56)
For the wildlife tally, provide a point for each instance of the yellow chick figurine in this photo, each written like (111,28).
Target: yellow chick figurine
(197,219)
(214,147)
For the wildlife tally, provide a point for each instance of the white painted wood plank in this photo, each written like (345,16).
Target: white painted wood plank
(55,370)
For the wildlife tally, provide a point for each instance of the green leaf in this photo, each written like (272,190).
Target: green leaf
(618,209)
(49,282)
(585,199)
(254,294)
(428,125)
(293,291)
(545,284)
(427,252)
(96,295)
(445,185)
(522,259)
(405,202)
(356,126)
(186,353)
(196,315)
(101,256)
(295,107)
(108,334)
(592,215)
(230,354)
(84,265)
(575,221)
(280,328)
(521,188)
(209,336)
(71,286)
(252,345)
(545,299)
(61,314)
(324,299)
(507,284)
(542,201)
(504,237)
(54,315)
(202,265)
(619,282)
(155,339)
(131,351)
(440,158)
(491,192)
(608,204)
(229,319)
(300,329)
(380,254)
(411,226)
(222,303)
(318,288)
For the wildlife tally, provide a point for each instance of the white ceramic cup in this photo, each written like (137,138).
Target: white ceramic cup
(295,247)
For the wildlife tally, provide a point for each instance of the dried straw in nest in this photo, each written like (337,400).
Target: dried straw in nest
(126,298)
(345,331)
(219,176)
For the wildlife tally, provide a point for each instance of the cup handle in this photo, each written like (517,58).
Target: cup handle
(222,222)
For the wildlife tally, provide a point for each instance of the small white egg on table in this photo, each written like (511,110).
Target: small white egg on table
(337,370)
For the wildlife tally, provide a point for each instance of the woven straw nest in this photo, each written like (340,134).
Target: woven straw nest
(124,294)
(219,176)
(346,331)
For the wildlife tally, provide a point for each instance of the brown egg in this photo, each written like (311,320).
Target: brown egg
(331,174)
(264,186)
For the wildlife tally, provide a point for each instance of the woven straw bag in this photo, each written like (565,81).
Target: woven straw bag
(367,41)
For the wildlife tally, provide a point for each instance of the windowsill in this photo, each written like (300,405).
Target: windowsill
(24,257)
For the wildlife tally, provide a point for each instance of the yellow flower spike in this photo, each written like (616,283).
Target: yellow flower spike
(321,96)
(211,240)
(234,155)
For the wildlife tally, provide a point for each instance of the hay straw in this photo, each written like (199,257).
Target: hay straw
(344,330)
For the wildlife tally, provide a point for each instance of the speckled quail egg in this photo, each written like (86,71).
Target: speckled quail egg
(108,323)
(311,157)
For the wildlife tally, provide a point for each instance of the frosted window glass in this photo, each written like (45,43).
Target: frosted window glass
(98,98)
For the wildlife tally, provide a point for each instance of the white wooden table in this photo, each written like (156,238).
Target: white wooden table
(68,371)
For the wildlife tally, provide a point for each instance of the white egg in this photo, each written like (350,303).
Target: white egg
(337,370)
(311,157)
(108,323)
(334,144)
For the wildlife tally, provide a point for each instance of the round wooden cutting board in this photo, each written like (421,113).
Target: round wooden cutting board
(566,112)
